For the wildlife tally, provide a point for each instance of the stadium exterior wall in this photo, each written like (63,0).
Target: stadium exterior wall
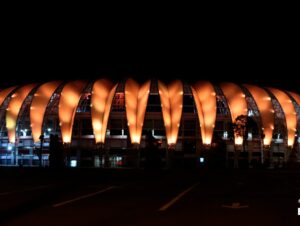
(119,117)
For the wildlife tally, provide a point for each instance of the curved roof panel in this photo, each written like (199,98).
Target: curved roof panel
(136,98)
(4,93)
(296,97)
(38,107)
(171,97)
(236,102)
(68,103)
(289,112)
(206,104)
(103,92)
(266,110)
(14,108)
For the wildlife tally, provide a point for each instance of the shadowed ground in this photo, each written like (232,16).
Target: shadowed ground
(32,196)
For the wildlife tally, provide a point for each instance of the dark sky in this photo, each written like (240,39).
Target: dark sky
(256,55)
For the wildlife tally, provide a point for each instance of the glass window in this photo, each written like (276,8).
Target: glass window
(86,125)
(147,124)
(159,132)
(115,132)
(159,124)
(153,104)
(154,100)
(188,100)
(118,103)
(116,123)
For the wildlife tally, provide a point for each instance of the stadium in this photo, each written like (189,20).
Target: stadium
(129,124)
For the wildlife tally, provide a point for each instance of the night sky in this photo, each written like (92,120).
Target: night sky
(242,56)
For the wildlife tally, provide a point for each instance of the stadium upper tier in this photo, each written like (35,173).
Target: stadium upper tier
(39,97)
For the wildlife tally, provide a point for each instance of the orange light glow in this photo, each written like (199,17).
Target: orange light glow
(206,104)
(265,107)
(238,140)
(13,110)
(4,93)
(68,103)
(296,97)
(266,142)
(102,96)
(236,101)
(38,107)
(136,98)
(171,97)
(289,112)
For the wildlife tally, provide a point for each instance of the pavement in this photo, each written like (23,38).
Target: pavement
(33,196)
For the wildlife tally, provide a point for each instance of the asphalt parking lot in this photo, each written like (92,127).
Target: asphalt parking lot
(33,196)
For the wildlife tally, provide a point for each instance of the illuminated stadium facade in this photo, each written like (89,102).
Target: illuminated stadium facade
(100,123)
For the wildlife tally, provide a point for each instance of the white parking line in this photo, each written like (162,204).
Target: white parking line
(175,199)
(83,197)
